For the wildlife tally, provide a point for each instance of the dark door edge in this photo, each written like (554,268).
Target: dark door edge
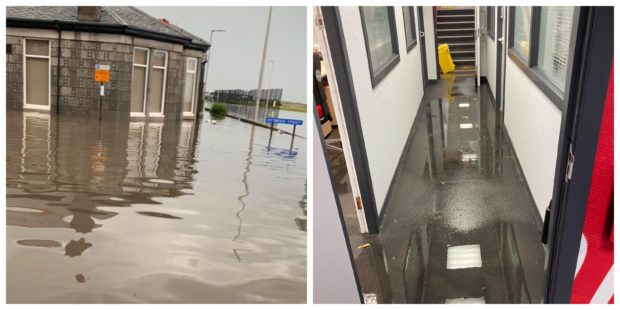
(589,76)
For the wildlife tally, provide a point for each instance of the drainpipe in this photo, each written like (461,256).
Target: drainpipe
(201,89)
(58,68)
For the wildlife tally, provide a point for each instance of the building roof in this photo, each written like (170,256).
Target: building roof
(110,15)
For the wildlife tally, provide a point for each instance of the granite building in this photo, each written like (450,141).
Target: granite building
(155,67)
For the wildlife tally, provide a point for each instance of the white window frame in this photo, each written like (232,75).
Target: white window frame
(195,73)
(146,78)
(162,104)
(49,74)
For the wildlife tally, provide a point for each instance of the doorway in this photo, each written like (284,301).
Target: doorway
(456,26)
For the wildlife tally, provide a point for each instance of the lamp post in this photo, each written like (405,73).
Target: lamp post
(209,55)
(262,66)
(269,86)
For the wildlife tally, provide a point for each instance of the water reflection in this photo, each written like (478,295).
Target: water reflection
(302,222)
(245,194)
(71,163)
(124,204)
(470,195)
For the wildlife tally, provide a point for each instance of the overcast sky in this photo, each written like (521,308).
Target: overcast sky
(235,62)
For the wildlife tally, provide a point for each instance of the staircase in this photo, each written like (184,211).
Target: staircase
(455,26)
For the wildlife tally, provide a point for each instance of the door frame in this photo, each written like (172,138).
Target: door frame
(477,36)
(587,81)
(436,47)
(346,91)
(500,63)
(422,39)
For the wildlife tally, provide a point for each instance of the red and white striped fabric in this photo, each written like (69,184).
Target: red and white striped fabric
(595,265)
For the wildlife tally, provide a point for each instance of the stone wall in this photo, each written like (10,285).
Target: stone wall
(174,85)
(78,92)
(14,74)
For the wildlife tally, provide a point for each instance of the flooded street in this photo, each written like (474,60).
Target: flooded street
(247,111)
(159,212)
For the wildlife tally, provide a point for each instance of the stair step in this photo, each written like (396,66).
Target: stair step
(457,22)
(462,51)
(463,59)
(447,37)
(456,15)
(457,29)
(455,11)
(457,44)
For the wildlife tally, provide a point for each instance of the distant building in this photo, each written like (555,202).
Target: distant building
(247,96)
(155,67)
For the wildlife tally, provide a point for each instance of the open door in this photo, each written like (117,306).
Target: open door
(348,132)
(587,92)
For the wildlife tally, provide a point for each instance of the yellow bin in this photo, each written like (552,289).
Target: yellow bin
(445,60)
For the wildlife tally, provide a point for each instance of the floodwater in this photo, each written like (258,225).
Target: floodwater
(121,211)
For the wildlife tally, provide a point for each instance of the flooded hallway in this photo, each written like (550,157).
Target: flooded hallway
(459,223)
(456,148)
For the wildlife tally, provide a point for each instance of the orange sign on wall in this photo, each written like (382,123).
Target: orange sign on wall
(102,73)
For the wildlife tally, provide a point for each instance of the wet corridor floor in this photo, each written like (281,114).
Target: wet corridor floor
(460,225)
(162,212)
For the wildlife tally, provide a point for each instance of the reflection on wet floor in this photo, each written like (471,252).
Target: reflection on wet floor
(134,211)
(460,226)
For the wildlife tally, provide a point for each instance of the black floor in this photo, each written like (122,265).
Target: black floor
(458,190)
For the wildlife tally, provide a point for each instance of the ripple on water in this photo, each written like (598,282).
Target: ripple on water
(76,186)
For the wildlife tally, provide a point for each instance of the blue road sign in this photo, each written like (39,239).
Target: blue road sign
(286,121)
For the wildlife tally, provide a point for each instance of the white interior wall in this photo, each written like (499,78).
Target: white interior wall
(387,111)
(429,34)
(533,123)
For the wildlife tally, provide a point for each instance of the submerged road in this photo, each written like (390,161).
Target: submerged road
(122,211)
